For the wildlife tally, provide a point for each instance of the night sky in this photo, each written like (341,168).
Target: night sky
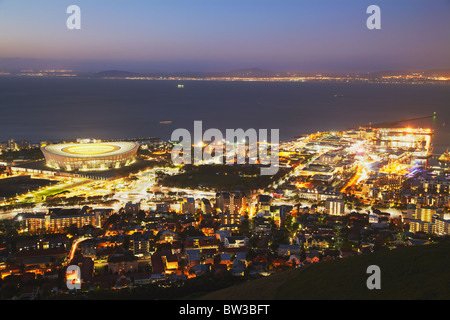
(217,35)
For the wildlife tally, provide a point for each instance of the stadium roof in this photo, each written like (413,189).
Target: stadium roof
(90,150)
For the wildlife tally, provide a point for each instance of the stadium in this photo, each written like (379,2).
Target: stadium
(90,156)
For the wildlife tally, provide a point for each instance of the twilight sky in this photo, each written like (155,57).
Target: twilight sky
(217,35)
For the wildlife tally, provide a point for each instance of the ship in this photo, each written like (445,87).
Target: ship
(181,86)
(445,157)
(165,122)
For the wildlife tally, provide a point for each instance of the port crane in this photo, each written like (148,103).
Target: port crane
(393,124)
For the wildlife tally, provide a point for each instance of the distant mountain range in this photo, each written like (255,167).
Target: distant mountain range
(122,69)
(254,72)
(260,73)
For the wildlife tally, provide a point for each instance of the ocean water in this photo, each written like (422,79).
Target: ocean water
(37,109)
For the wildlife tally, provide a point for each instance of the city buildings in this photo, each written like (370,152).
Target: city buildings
(57,219)
(335,207)
(344,193)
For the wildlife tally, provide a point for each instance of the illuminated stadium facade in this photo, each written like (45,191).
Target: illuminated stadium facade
(90,156)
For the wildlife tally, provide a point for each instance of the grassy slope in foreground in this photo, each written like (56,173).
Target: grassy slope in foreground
(415,273)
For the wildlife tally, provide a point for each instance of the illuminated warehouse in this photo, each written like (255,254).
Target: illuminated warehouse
(90,156)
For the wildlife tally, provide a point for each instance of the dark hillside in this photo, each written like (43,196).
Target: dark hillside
(412,273)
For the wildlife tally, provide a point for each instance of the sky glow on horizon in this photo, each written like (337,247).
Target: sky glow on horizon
(218,35)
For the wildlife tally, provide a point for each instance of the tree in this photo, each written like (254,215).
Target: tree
(72,229)
(140,216)
(244,227)
(288,222)
(126,243)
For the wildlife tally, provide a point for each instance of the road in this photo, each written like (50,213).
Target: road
(74,247)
